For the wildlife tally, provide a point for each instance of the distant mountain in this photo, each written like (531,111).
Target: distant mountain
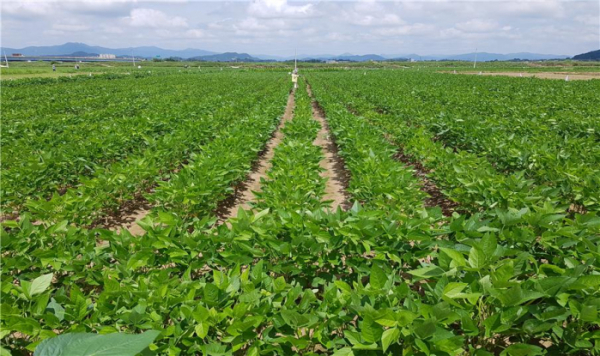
(72,47)
(589,56)
(83,54)
(481,56)
(226,57)
(359,58)
(484,56)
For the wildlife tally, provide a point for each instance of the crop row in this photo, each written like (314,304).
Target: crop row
(386,277)
(121,182)
(53,148)
(545,131)
(377,180)
(293,183)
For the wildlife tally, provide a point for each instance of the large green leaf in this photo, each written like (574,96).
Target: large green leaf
(377,277)
(82,344)
(39,285)
(389,336)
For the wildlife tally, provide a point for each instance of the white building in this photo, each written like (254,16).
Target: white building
(107,56)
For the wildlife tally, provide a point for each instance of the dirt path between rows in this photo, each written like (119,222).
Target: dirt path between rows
(335,173)
(128,217)
(244,196)
(436,197)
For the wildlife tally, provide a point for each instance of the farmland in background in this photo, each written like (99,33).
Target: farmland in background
(468,222)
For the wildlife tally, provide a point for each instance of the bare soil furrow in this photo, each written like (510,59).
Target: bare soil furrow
(243,195)
(334,169)
(127,216)
(436,197)
(132,211)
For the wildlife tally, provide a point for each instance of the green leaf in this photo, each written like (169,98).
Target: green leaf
(456,256)
(454,289)
(378,277)
(40,284)
(476,258)
(211,294)
(202,329)
(389,336)
(427,272)
(426,329)
(260,214)
(346,351)
(522,350)
(488,245)
(534,326)
(589,281)
(56,309)
(293,318)
(589,313)
(370,331)
(84,344)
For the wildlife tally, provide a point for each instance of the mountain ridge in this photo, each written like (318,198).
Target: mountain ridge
(72,47)
(588,56)
(200,54)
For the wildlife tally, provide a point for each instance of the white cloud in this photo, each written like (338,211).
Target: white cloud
(417,29)
(384,20)
(70,27)
(154,19)
(278,26)
(26,8)
(590,20)
(543,9)
(279,9)
(477,26)
(195,33)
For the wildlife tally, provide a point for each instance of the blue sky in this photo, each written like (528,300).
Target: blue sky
(276,27)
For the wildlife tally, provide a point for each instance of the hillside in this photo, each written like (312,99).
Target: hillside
(589,56)
(226,57)
(72,47)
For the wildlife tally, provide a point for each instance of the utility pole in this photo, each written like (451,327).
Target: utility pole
(295,61)
(132,57)
(475,62)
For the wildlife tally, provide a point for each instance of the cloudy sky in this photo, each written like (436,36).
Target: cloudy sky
(276,27)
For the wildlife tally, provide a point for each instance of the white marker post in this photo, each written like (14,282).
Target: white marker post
(6,60)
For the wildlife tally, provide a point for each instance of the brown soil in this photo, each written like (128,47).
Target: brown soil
(436,197)
(542,75)
(6,217)
(243,195)
(335,173)
(127,217)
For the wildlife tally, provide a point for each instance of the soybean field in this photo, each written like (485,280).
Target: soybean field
(366,212)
